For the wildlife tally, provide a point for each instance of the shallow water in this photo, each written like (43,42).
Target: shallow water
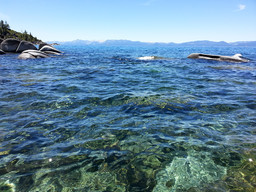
(100,119)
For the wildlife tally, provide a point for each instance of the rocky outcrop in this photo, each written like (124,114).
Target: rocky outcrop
(27,49)
(25,45)
(26,56)
(32,54)
(1,52)
(10,45)
(44,52)
(49,48)
(16,46)
(41,45)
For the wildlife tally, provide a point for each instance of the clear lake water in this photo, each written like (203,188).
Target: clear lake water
(99,119)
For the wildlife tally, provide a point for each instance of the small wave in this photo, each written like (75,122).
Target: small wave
(151,58)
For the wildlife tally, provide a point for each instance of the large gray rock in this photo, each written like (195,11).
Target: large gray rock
(41,45)
(49,48)
(26,56)
(52,53)
(1,52)
(25,45)
(37,53)
(31,54)
(10,45)
(234,58)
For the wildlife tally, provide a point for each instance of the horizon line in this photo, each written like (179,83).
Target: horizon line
(103,41)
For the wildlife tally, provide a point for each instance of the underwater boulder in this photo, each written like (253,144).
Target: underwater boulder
(7,186)
(151,58)
(193,171)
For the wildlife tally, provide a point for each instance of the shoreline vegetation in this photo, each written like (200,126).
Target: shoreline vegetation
(6,32)
(15,42)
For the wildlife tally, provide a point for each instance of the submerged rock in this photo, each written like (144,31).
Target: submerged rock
(25,45)
(234,67)
(10,45)
(183,173)
(7,186)
(151,58)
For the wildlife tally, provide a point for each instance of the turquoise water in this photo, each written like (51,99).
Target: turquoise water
(99,119)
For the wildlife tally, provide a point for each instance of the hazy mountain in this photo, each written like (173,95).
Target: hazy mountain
(139,43)
(205,43)
(244,43)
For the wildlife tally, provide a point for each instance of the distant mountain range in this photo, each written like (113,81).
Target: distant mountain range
(139,43)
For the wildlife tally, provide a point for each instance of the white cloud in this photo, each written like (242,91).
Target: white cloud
(241,7)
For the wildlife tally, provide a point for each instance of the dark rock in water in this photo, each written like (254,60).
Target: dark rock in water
(234,58)
(25,45)
(42,44)
(194,56)
(49,48)
(32,54)
(1,52)
(52,52)
(10,45)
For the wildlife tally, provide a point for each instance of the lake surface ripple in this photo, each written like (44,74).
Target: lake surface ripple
(99,119)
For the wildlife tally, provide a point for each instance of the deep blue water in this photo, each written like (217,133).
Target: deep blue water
(99,119)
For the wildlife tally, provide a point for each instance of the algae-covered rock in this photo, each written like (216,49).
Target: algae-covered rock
(73,179)
(242,177)
(183,173)
(7,186)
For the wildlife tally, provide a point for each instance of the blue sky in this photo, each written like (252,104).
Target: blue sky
(138,20)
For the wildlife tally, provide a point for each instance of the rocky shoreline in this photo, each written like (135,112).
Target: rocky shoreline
(27,50)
